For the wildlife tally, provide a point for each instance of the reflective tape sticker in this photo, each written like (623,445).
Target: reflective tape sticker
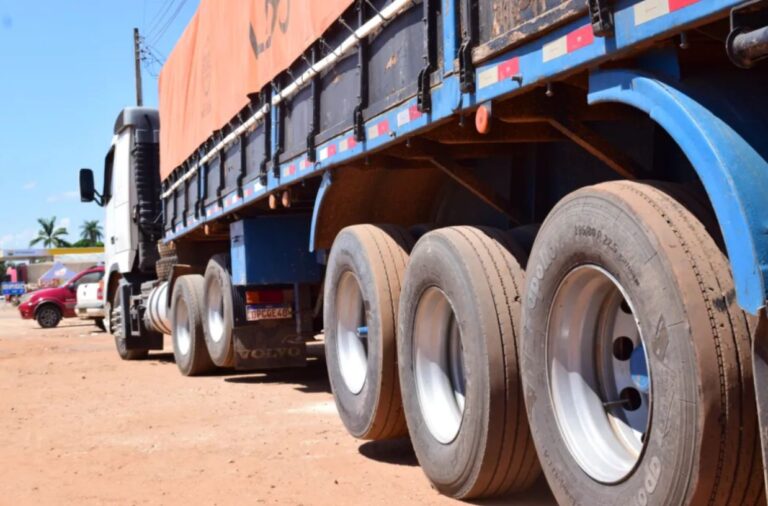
(648,10)
(407,115)
(378,130)
(504,70)
(577,39)
(327,151)
(555,49)
(347,143)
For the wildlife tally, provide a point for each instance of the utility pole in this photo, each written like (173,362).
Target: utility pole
(137,63)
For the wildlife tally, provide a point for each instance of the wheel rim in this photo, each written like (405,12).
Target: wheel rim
(215,304)
(181,330)
(439,365)
(47,317)
(351,333)
(599,379)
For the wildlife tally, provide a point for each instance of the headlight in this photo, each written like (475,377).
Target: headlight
(25,298)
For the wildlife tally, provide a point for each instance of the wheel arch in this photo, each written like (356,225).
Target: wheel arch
(732,170)
(113,281)
(49,302)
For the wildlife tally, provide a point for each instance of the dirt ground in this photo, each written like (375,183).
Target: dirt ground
(78,426)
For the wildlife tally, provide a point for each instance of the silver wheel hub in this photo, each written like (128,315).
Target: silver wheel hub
(181,331)
(438,359)
(599,379)
(351,333)
(215,312)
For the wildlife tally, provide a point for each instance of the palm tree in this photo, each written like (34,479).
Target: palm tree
(91,232)
(49,235)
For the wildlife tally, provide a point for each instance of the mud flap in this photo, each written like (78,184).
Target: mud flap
(760,371)
(269,344)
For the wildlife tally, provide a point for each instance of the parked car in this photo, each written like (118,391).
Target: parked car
(90,303)
(49,305)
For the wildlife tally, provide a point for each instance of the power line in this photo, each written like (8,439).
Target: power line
(151,58)
(159,16)
(168,24)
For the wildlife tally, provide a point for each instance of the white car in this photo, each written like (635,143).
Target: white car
(90,303)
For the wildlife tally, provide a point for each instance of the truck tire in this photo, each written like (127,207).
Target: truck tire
(218,318)
(362,292)
(114,310)
(48,316)
(187,305)
(636,358)
(458,360)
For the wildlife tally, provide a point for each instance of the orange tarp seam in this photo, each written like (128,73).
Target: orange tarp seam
(230,49)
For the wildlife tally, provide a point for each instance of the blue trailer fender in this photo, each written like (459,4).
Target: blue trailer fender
(733,172)
(321,192)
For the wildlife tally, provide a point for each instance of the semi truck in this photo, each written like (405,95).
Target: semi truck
(532,235)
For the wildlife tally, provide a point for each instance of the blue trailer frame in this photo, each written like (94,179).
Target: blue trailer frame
(732,167)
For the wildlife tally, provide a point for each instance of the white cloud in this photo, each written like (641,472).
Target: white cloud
(59,197)
(30,185)
(18,240)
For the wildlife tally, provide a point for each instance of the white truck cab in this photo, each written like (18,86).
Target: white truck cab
(131,199)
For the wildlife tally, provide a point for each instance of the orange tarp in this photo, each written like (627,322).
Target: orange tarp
(229,49)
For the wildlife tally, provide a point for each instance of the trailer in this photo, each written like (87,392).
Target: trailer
(531,235)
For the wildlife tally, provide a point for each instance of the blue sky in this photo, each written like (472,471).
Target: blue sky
(66,70)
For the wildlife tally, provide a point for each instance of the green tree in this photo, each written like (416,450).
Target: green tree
(49,235)
(83,243)
(91,232)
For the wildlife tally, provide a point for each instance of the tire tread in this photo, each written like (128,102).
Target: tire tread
(738,477)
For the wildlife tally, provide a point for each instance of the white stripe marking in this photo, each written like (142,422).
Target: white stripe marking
(555,49)
(648,10)
(488,77)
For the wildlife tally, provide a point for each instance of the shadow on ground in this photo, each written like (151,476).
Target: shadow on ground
(390,451)
(165,358)
(400,452)
(310,379)
(538,495)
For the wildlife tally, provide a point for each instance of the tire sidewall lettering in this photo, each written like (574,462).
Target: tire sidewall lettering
(556,252)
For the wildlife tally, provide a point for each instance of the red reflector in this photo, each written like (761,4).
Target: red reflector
(265,296)
(100,291)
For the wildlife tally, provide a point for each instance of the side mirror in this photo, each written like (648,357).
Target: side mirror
(87,187)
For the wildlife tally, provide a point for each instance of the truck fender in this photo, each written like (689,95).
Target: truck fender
(732,170)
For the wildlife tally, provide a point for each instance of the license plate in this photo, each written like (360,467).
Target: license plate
(261,312)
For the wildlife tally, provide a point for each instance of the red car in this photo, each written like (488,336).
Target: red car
(49,305)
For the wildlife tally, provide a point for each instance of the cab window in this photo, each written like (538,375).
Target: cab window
(91,277)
